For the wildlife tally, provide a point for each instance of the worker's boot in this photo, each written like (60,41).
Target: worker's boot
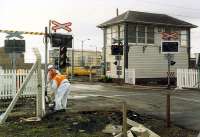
(51,106)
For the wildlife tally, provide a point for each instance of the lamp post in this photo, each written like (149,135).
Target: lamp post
(82,41)
(96,57)
(95,62)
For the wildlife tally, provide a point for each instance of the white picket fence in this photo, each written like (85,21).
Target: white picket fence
(130,76)
(187,78)
(11,81)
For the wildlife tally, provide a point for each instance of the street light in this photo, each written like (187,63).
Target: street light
(96,53)
(82,41)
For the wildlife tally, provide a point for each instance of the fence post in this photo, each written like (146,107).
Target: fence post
(14,82)
(39,109)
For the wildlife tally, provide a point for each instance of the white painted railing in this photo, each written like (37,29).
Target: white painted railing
(11,81)
(187,78)
(130,76)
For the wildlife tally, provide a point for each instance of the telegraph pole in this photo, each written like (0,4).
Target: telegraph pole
(119,44)
(82,53)
(46,50)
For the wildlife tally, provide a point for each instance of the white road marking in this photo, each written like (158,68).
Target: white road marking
(93,88)
(79,96)
(187,99)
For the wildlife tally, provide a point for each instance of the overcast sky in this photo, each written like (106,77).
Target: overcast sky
(33,15)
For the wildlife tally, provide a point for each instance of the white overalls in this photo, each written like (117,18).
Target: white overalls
(61,88)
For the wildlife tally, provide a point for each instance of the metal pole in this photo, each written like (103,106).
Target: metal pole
(168,118)
(104,52)
(124,129)
(198,71)
(46,61)
(82,53)
(118,64)
(14,60)
(96,56)
(168,75)
(125,49)
(90,73)
(72,71)
(49,27)
(59,58)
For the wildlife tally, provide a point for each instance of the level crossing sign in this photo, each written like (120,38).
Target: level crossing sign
(15,34)
(169,36)
(170,43)
(65,26)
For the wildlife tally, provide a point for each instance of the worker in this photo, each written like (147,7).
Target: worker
(53,67)
(49,99)
(60,86)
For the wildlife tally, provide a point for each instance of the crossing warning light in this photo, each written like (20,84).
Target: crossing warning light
(115,63)
(172,63)
(61,40)
(169,47)
(117,49)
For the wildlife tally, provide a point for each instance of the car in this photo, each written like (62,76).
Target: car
(81,71)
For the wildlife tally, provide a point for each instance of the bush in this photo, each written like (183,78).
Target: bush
(106,79)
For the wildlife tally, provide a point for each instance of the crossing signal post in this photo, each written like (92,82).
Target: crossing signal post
(62,57)
(169,47)
(62,42)
(56,62)
(57,40)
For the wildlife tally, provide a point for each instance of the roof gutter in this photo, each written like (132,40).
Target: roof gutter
(142,22)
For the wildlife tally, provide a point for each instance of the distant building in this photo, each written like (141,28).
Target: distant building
(140,33)
(6,61)
(92,58)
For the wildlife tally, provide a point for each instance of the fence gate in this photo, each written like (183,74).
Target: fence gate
(15,84)
(188,78)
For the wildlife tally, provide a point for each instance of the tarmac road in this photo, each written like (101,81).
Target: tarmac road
(185,104)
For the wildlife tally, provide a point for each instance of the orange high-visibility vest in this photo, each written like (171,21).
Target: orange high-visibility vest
(59,78)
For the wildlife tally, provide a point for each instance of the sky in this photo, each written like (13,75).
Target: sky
(34,15)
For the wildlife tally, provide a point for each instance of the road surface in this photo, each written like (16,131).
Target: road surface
(185,104)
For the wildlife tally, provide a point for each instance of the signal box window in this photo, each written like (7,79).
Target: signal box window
(150,34)
(132,33)
(141,34)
